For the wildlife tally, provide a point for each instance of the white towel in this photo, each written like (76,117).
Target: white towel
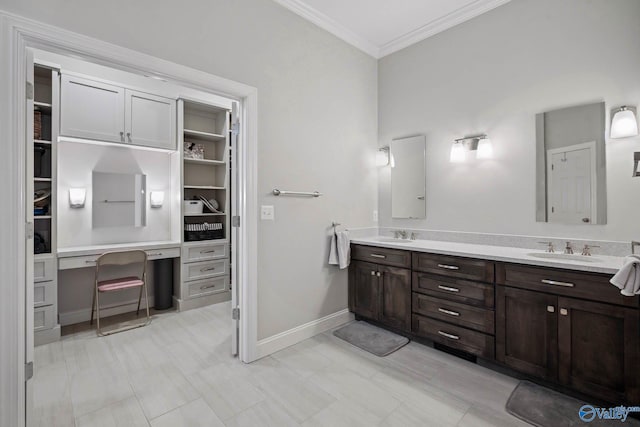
(628,277)
(340,251)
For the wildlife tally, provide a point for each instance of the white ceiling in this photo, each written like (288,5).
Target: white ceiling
(381,27)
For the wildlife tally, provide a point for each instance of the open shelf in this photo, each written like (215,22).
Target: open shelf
(42,217)
(42,142)
(204,136)
(45,107)
(203,187)
(36,179)
(205,162)
(206,214)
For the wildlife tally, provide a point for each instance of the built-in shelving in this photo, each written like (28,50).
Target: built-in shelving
(207,214)
(210,136)
(203,187)
(206,162)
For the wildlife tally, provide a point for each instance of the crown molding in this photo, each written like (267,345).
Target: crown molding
(436,26)
(326,23)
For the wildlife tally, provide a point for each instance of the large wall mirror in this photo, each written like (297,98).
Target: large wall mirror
(119,200)
(570,165)
(408,177)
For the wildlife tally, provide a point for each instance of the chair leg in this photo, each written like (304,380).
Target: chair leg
(139,299)
(146,300)
(93,305)
(98,313)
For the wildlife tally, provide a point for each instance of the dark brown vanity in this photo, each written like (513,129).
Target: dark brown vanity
(564,327)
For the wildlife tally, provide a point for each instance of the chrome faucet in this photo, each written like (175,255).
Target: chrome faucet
(550,248)
(414,236)
(568,249)
(586,251)
(400,234)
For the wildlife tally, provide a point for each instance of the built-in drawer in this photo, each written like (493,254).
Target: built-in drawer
(464,291)
(65,263)
(200,288)
(480,319)
(201,252)
(385,256)
(44,293)
(569,283)
(473,342)
(44,318)
(451,266)
(44,269)
(204,269)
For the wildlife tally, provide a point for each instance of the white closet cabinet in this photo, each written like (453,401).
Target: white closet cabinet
(150,120)
(104,112)
(91,110)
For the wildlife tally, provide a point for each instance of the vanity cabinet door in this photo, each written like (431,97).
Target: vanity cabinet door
(599,349)
(150,120)
(395,297)
(527,331)
(91,110)
(363,289)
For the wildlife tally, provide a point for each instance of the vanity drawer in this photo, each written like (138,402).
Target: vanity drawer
(464,291)
(201,252)
(460,314)
(44,293)
(212,285)
(44,269)
(90,260)
(451,266)
(591,286)
(204,269)
(44,318)
(385,256)
(454,336)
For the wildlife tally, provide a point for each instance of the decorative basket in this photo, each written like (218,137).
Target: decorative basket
(203,231)
(37,125)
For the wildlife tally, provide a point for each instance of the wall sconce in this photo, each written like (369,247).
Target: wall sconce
(382,156)
(624,123)
(77,197)
(479,143)
(156,199)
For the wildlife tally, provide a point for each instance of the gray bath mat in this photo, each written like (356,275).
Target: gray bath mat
(543,407)
(370,338)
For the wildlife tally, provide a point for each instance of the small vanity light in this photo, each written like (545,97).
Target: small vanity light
(624,123)
(485,148)
(157,199)
(77,197)
(457,152)
(382,156)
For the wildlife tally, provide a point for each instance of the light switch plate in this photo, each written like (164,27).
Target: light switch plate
(267,213)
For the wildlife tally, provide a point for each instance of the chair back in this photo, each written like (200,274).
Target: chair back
(122,258)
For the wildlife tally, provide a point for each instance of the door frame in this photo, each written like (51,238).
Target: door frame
(591,145)
(17,34)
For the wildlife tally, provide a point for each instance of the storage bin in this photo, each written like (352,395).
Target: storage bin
(204,231)
(192,207)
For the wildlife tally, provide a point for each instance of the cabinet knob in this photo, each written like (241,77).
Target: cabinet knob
(122,136)
(373,273)
(551,309)
(129,136)
(378,274)
(564,311)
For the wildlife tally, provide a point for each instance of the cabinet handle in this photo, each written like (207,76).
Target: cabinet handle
(211,251)
(156,254)
(449,312)
(373,273)
(378,274)
(122,136)
(450,336)
(129,136)
(448,289)
(207,287)
(551,309)
(90,261)
(207,269)
(564,312)
(378,256)
(449,267)
(556,283)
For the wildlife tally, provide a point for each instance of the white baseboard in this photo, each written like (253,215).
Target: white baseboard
(46,336)
(189,304)
(293,336)
(84,315)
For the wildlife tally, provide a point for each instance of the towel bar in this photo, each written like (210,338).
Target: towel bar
(277,192)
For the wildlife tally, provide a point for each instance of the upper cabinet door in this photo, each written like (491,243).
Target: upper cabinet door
(150,120)
(91,110)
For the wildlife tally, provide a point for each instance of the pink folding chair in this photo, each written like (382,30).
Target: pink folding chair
(119,259)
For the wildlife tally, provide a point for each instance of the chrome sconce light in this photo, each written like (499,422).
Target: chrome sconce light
(156,199)
(624,123)
(77,197)
(481,144)
(382,156)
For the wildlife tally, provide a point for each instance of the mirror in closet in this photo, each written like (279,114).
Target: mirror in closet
(119,200)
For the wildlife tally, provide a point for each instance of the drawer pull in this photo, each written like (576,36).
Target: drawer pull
(450,336)
(210,251)
(207,287)
(378,256)
(448,289)
(556,283)
(207,269)
(156,254)
(449,267)
(90,261)
(449,312)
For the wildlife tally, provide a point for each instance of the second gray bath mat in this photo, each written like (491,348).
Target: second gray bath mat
(371,338)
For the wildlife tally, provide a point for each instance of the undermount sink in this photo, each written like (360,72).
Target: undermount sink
(564,257)
(392,240)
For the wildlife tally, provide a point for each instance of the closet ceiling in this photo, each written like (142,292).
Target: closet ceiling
(381,27)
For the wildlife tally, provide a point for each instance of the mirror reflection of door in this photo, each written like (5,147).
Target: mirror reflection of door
(408,177)
(571,173)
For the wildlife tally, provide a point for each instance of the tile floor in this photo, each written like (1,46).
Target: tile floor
(178,372)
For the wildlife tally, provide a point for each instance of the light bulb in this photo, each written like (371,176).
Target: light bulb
(624,124)
(77,197)
(457,153)
(485,149)
(157,199)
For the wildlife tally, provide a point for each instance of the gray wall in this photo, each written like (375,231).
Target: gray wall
(317,124)
(492,75)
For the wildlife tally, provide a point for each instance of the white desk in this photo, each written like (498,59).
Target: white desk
(85,256)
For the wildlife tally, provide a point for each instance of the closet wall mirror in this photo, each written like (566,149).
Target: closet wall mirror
(570,165)
(408,177)
(119,200)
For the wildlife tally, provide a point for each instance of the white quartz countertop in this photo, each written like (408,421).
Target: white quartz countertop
(595,263)
(99,249)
